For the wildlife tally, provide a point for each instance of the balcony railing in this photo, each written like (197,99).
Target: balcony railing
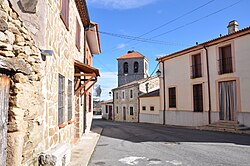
(225,65)
(196,71)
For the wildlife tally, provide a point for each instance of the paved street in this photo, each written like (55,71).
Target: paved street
(144,144)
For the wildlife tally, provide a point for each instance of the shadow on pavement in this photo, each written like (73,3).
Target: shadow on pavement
(139,132)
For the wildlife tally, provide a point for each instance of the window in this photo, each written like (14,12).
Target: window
(196,66)
(65,13)
(61,87)
(69,100)
(225,60)
(78,36)
(198,98)
(116,95)
(123,95)
(146,66)
(172,97)
(131,110)
(152,108)
(117,110)
(90,102)
(107,109)
(131,93)
(136,66)
(125,68)
(144,108)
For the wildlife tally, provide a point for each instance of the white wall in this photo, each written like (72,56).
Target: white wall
(178,72)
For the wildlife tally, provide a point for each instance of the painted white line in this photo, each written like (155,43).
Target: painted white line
(132,160)
(154,162)
(175,162)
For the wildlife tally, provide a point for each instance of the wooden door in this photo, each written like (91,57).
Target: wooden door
(228,100)
(110,112)
(124,113)
(4,106)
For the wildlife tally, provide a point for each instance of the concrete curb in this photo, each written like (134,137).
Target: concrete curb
(83,150)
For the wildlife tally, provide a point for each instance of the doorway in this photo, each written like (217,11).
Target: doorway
(4,106)
(227,100)
(110,112)
(124,113)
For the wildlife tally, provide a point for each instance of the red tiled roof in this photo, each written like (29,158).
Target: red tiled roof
(131,55)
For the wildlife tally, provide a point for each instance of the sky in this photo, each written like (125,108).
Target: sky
(157,28)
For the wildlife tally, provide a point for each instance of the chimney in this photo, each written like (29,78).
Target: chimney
(130,51)
(232,26)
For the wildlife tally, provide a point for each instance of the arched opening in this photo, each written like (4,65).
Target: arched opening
(136,67)
(125,67)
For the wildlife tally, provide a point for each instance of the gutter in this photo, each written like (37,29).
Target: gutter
(208,82)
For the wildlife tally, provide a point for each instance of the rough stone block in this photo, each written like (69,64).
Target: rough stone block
(3,37)
(10,36)
(29,5)
(15,143)
(3,25)
(7,53)
(18,39)
(20,78)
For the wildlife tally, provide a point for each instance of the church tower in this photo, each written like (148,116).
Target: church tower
(131,67)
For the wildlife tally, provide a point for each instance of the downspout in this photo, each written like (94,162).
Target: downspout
(208,86)
(85,95)
(164,93)
(113,107)
(139,106)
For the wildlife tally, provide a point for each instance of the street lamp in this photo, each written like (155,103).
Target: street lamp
(158,73)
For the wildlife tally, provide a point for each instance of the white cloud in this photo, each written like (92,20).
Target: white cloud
(121,4)
(120,46)
(107,81)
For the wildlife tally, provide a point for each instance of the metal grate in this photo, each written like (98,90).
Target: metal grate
(196,68)
(225,60)
(198,98)
(61,91)
(172,97)
(69,100)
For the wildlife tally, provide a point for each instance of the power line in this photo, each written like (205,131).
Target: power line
(220,10)
(177,18)
(134,38)
(169,22)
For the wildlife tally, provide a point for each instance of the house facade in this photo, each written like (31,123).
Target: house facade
(208,82)
(47,57)
(107,110)
(126,101)
(149,107)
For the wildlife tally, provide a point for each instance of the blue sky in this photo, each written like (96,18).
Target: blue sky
(182,29)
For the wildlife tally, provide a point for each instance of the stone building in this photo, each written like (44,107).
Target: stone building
(131,67)
(46,52)
(126,106)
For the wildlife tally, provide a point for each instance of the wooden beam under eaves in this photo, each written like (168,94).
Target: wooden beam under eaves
(83,85)
(84,74)
(88,88)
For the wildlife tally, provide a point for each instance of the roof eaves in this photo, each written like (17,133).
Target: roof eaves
(226,37)
(83,11)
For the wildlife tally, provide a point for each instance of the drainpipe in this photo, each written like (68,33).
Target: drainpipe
(85,95)
(139,106)
(208,82)
(113,106)
(164,93)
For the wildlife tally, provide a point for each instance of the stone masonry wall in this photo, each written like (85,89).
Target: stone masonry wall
(23,63)
(127,102)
